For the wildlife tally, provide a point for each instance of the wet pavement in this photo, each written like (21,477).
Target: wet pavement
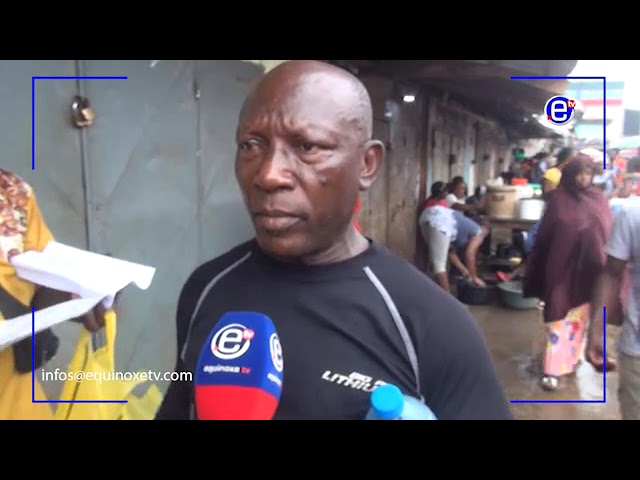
(515,340)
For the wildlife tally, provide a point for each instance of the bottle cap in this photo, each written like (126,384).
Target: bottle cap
(387,402)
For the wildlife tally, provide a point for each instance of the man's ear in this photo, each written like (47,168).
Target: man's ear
(371,163)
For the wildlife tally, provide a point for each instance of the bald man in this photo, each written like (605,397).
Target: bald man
(350,314)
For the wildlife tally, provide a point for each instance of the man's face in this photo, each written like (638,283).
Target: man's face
(298,165)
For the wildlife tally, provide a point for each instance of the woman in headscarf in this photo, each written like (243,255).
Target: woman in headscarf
(550,182)
(567,258)
(22,229)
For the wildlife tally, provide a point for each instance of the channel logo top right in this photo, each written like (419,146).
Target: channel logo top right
(560,110)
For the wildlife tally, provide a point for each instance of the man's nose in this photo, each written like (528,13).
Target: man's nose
(276,170)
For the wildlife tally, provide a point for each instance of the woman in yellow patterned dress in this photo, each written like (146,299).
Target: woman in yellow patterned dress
(23,228)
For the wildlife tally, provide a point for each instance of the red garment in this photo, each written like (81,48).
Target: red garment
(356,210)
(568,254)
(620,165)
(432,202)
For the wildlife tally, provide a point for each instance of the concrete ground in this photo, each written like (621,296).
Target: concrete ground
(515,339)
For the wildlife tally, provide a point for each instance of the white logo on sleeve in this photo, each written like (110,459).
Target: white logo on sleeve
(354,380)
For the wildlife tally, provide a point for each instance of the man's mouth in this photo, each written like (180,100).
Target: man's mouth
(275,220)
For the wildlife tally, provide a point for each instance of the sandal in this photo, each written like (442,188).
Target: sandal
(549,383)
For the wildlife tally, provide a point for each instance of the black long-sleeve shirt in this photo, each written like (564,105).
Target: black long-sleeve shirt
(339,337)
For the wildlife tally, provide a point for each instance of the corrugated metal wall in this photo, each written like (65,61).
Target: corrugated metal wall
(160,181)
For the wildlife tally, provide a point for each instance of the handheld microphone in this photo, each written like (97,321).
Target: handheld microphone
(239,373)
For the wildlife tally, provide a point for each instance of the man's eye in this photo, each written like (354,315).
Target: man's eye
(307,147)
(248,145)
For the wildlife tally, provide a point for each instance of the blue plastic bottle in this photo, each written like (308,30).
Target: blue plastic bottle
(389,403)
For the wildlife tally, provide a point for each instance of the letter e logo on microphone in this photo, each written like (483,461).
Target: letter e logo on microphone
(231,342)
(276,352)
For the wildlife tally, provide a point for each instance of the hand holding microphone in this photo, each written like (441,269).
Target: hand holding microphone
(240,370)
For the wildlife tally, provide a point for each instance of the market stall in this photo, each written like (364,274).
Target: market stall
(512,208)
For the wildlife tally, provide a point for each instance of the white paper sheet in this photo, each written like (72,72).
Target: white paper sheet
(89,275)
(18,328)
(84,273)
